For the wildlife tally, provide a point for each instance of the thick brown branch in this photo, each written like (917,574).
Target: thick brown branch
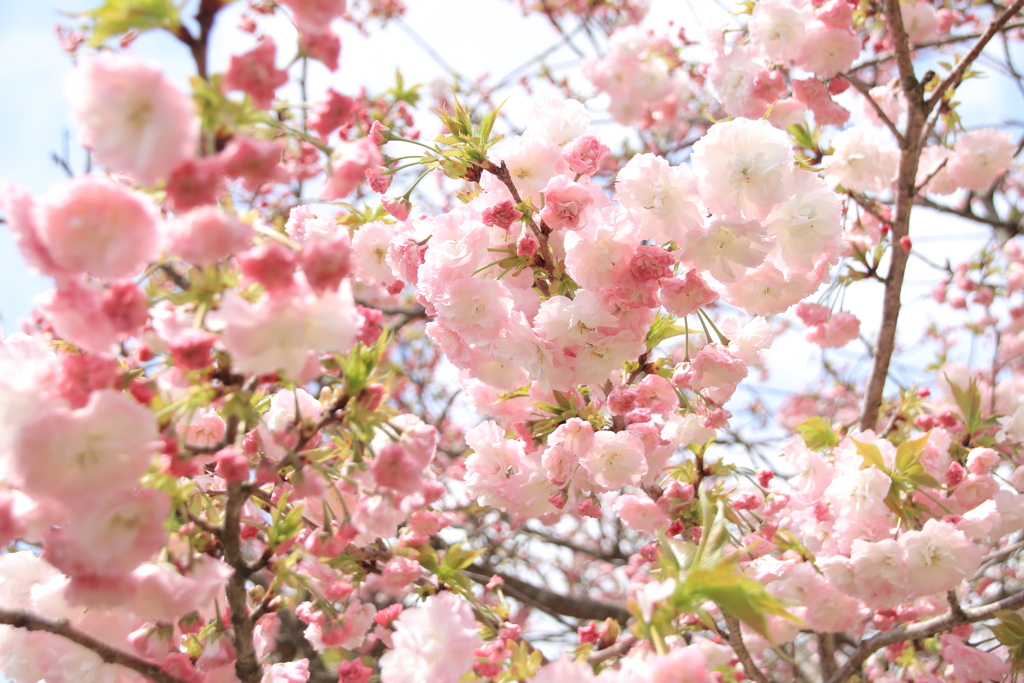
(247,668)
(827,654)
(736,641)
(108,654)
(910,157)
(922,629)
(578,607)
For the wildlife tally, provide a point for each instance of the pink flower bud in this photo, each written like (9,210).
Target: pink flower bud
(379,179)
(621,400)
(124,304)
(232,465)
(495,583)
(387,615)
(271,265)
(326,262)
(747,501)
(527,244)
(905,243)
(379,133)
(588,633)
(558,499)
(501,215)
(399,207)
(372,396)
(354,672)
(584,154)
(955,474)
(191,350)
(588,507)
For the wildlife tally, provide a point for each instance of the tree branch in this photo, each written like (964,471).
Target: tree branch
(865,91)
(952,79)
(906,177)
(736,641)
(922,629)
(247,668)
(110,655)
(578,607)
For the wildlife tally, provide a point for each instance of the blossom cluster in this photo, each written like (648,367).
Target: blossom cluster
(221,445)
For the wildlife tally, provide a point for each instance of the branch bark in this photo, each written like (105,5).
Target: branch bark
(578,607)
(110,655)
(247,668)
(922,629)
(906,176)
(735,636)
(911,144)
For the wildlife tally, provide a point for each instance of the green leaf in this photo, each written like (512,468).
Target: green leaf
(923,480)
(1011,626)
(488,123)
(909,453)
(871,455)
(116,17)
(969,402)
(818,433)
(743,598)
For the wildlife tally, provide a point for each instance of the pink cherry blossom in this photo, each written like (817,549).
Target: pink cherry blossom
(349,165)
(253,161)
(615,460)
(745,167)
(971,664)
(777,27)
(66,453)
(132,117)
(979,157)
(641,514)
(195,182)
(276,333)
(860,161)
(434,642)
(564,203)
(728,247)
(683,296)
(206,235)
(91,224)
(828,51)
(584,154)
(331,113)
(254,72)
(111,536)
(938,557)
(664,198)
(841,329)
